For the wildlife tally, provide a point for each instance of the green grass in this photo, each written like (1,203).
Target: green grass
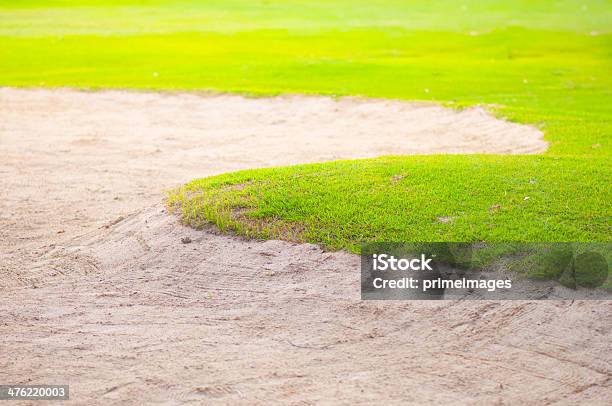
(340,204)
(547,63)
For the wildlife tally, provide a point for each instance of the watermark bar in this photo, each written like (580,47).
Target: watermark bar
(497,271)
(34,392)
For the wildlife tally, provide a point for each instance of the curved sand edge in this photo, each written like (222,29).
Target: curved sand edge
(145,318)
(71,161)
(124,312)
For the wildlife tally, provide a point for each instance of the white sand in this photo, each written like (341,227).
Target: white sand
(98,291)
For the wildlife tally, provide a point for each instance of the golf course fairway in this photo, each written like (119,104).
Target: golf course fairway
(224,201)
(543,63)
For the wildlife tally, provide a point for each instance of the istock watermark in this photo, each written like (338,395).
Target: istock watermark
(434,271)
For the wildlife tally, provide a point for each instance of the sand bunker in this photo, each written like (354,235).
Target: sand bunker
(73,161)
(221,320)
(98,290)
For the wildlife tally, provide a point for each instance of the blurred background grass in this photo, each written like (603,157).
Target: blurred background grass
(547,63)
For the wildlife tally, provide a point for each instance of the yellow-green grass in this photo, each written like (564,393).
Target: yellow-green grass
(546,63)
(422,198)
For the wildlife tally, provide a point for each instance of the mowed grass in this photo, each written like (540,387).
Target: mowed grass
(546,63)
(423,198)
